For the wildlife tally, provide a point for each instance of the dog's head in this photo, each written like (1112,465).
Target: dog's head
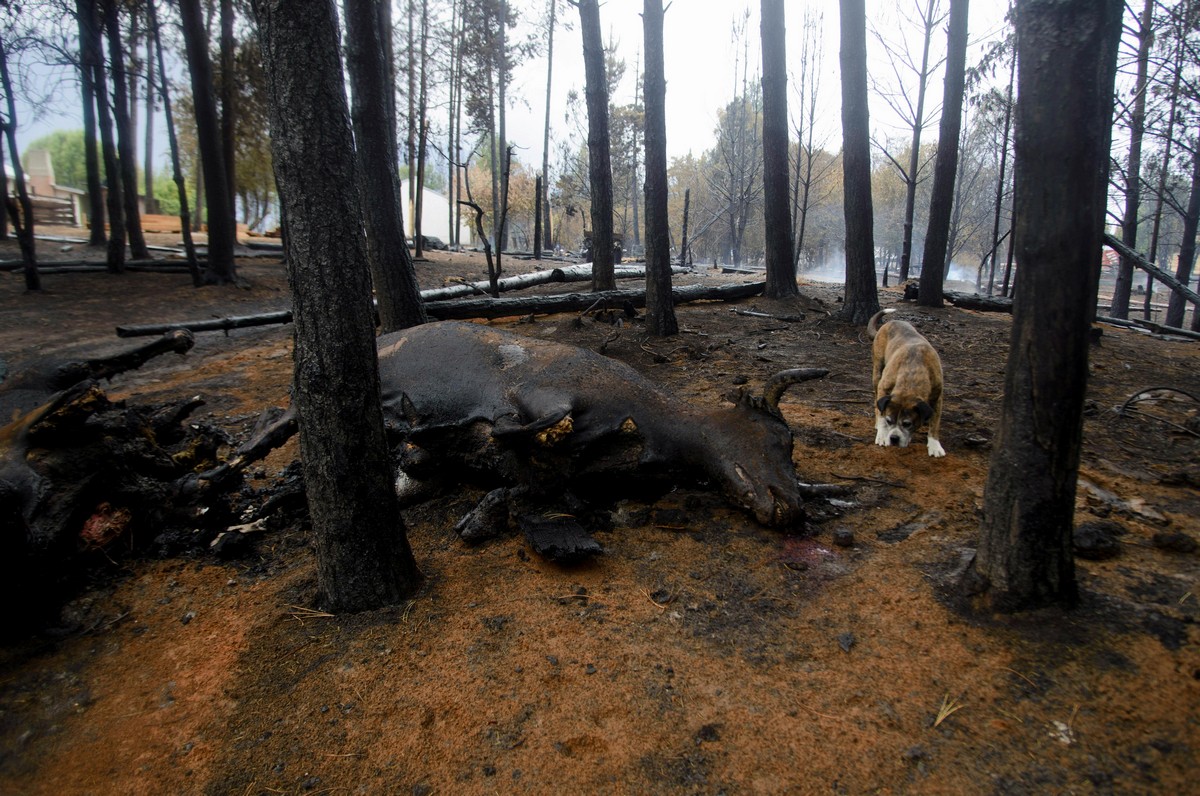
(901,416)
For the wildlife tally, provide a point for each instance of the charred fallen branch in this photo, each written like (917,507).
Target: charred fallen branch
(573,273)
(461,309)
(486,307)
(974,301)
(1144,264)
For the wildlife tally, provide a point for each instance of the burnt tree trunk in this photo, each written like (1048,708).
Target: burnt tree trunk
(1133,170)
(547,241)
(537,217)
(24,228)
(89,56)
(941,204)
(777,216)
(228,102)
(599,155)
(185,218)
(660,308)
(1187,249)
(683,238)
(112,168)
(222,232)
(379,176)
(1063,132)
(862,299)
(126,157)
(363,557)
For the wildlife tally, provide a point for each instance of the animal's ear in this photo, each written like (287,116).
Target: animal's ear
(883,402)
(410,411)
(924,410)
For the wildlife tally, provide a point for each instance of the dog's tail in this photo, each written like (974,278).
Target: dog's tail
(873,324)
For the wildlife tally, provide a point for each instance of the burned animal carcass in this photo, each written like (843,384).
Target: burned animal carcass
(80,473)
(546,418)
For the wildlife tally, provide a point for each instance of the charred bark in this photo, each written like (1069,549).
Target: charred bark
(126,158)
(937,238)
(781,267)
(24,222)
(660,311)
(185,225)
(599,155)
(1025,556)
(89,56)
(862,298)
(363,557)
(391,263)
(222,232)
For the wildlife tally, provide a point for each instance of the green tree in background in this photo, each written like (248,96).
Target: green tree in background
(66,154)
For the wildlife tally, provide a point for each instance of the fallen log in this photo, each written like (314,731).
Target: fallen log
(208,324)
(1152,269)
(974,301)
(460,309)
(86,266)
(1150,326)
(573,273)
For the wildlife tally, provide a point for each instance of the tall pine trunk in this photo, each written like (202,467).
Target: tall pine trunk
(379,178)
(363,557)
(185,224)
(547,236)
(599,155)
(862,298)
(222,232)
(126,155)
(1133,169)
(89,57)
(937,238)
(781,273)
(1025,558)
(660,306)
(24,231)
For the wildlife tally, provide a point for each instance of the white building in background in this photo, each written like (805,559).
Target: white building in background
(435,217)
(52,203)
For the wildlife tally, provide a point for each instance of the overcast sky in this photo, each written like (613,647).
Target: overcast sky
(700,52)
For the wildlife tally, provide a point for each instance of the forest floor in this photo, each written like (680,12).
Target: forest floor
(701,653)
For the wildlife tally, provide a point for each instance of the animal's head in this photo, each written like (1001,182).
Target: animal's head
(754,467)
(900,416)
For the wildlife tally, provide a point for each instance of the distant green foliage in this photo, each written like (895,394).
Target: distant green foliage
(66,155)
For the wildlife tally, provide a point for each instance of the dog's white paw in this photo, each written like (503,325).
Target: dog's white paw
(881,432)
(935,448)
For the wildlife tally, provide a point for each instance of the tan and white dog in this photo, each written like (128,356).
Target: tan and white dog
(907,377)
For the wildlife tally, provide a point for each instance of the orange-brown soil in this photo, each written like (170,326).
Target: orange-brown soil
(700,654)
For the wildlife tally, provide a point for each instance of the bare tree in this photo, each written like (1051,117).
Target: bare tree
(24,223)
(126,159)
(937,238)
(548,237)
(807,172)
(599,158)
(1133,168)
(781,266)
(173,146)
(89,55)
(660,306)
(911,110)
(862,298)
(363,557)
(1064,128)
(222,232)
(392,269)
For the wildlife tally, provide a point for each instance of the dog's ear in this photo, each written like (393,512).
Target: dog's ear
(882,403)
(925,411)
